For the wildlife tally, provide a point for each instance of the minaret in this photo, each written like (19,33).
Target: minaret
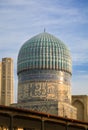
(7,83)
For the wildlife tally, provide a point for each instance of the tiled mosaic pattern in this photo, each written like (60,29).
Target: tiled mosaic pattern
(43,91)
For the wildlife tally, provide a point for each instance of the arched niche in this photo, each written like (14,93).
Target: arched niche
(80,109)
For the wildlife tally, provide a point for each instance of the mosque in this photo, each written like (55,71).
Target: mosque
(44,69)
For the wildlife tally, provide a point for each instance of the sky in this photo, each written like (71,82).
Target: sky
(66,19)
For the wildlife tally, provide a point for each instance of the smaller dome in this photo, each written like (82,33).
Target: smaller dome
(42,52)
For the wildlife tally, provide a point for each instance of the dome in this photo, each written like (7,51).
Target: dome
(44,52)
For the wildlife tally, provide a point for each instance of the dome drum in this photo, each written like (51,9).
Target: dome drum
(44,75)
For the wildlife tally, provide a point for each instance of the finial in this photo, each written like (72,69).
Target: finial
(44,30)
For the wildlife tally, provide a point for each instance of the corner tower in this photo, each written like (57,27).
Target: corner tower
(44,71)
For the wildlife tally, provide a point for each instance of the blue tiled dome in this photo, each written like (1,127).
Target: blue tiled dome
(44,52)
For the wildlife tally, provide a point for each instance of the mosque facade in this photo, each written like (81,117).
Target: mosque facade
(44,70)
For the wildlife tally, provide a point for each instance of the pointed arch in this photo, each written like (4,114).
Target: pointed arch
(80,109)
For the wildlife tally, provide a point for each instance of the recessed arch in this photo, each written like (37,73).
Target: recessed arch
(80,109)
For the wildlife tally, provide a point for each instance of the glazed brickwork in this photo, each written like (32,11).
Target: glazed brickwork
(52,97)
(50,107)
(44,69)
(44,91)
(44,51)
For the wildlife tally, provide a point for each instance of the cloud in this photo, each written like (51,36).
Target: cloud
(47,11)
(22,19)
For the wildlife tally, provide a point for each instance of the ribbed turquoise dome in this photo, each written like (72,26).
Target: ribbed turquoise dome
(42,52)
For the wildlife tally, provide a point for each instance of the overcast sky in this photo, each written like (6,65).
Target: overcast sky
(66,19)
